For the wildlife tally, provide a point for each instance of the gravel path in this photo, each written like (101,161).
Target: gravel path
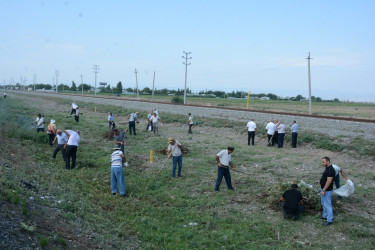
(325,126)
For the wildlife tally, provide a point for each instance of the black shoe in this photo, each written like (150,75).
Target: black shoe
(327,223)
(295,218)
(113,193)
(217,190)
(285,216)
(322,218)
(231,189)
(179,175)
(125,196)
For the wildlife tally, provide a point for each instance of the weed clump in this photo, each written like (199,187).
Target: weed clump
(177,100)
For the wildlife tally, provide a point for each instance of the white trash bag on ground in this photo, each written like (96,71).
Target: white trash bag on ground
(346,190)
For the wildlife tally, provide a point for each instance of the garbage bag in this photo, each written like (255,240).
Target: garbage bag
(346,190)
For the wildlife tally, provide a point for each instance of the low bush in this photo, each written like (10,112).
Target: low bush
(177,100)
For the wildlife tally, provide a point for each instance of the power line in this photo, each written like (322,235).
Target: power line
(186,57)
(309,75)
(96,71)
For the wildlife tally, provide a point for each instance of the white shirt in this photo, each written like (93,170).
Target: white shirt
(116,159)
(61,139)
(271,127)
(251,126)
(174,149)
(224,157)
(149,116)
(111,118)
(133,117)
(74,138)
(74,105)
(294,128)
(156,111)
(39,122)
(337,169)
(191,120)
(281,129)
(155,119)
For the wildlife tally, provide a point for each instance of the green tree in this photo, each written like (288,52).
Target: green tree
(85,87)
(119,87)
(74,87)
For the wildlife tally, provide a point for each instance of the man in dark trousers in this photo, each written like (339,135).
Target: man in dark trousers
(224,160)
(294,131)
(71,148)
(292,203)
(133,118)
(326,184)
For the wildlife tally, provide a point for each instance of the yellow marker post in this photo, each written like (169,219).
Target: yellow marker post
(95,108)
(248,99)
(151,156)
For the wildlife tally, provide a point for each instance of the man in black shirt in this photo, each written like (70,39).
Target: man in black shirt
(292,203)
(326,184)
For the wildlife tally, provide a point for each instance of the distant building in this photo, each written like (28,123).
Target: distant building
(264,98)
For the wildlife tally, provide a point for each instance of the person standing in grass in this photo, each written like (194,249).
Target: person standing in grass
(61,140)
(119,138)
(74,107)
(251,128)
(71,148)
(292,203)
(117,173)
(39,123)
(155,123)
(149,121)
(294,131)
(275,137)
(224,160)
(111,121)
(133,118)
(76,116)
(326,184)
(271,127)
(174,150)
(191,123)
(51,132)
(281,134)
(5,95)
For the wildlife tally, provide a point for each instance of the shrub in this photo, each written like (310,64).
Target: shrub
(177,100)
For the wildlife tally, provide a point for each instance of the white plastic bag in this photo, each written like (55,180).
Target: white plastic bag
(346,190)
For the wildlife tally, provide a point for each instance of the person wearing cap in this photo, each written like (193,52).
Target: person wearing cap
(155,122)
(224,159)
(190,122)
(117,174)
(71,147)
(294,131)
(133,118)
(74,106)
(76,116)
(326,184)
(111,121)
(174,150)
(281,134)
(61,140)
(292,202)
(51,132)
(251,127)
(39,123)
(119,138)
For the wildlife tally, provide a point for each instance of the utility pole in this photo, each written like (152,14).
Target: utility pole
(34,80)
(57,79)
(153,87)
(53,82)
(82,83)
(186,57)
(96,71)
(308,64)
(136,81)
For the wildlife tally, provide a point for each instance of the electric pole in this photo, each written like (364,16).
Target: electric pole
(96,71)
(82,83)
(186,57)
(136,81)
(308,64)
(34,80)
(57,79)
(153,87)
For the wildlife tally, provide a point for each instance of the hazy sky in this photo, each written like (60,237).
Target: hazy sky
(257,46)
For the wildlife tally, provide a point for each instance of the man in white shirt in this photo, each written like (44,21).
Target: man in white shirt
(155,123)
(74,106)
(224,161)
(71,147)
(251,128)
(117,173)
(61,140)
(190,123)
(39,123)
(174,150)
(271,127)
(133,117)
(281,132)
(111,121)
(294,131)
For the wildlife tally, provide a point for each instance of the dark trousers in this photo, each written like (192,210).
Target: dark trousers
(251,135)
(149,124)
(275,138)
(177,160)
(270,140)
(59,147)
(295,214)
(132,127)
(280,142)
(190,126)
(51,138)
(113,124)
(71,151)
(223,172)
(294,140)
(73,112)
(39,130)
(76,117)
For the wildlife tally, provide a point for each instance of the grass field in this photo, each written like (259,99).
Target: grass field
(178,213)
(343,109)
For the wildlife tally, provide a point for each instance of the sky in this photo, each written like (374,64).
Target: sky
(243,45)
